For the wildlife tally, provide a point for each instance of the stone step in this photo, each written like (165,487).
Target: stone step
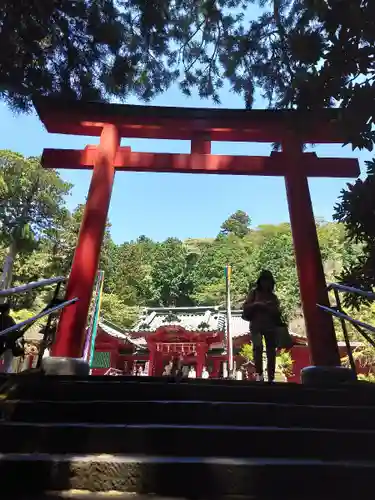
(190,413)
(89,495)
(101,476)
(114,388)
(219,441)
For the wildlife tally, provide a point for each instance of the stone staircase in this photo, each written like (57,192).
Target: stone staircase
(134,437)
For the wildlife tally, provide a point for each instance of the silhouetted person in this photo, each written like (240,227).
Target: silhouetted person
(262,309)
(177,366)
(8,345)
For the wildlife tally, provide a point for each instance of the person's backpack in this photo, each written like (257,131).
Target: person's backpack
(283,338)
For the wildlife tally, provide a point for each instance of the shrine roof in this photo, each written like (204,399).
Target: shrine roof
(121,334)
(194,319)
(216,124)
(199,319)
(190,318)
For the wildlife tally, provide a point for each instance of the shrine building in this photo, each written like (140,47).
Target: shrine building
(198,334)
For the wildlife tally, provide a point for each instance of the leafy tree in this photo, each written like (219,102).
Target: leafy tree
(117,312)
(88,49)
(31,205)
(95,49)
(356,210)
(62,241)
(237,224)
(56,47)
(170,273)
(133,267)
(208,274)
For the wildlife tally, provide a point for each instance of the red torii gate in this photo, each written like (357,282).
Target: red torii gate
(111,122)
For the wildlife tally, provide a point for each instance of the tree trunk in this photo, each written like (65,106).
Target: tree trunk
(7,274)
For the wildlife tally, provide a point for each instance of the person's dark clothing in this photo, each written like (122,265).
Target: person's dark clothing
(270,341)
(265,317)
(176,367)
(6,321)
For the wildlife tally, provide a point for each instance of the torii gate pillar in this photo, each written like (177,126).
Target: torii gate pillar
(313,289)
(72,325)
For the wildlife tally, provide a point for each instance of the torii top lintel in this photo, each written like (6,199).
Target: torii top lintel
(133,121)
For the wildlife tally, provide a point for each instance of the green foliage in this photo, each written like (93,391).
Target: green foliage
(97,49)
(356,210)
(83,49)
(22,315)
(364,356)
(115,310)
(247,353)
(237,224)
(32,200)
(306,54)
(367,378)
(31,207)
(170,273)
(284,363)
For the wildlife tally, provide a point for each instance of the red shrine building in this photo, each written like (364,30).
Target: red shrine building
(196,334)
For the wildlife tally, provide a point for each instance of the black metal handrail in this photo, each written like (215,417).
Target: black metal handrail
(31,286)
(339,313)
(32,320)
(350,289)
(13,333)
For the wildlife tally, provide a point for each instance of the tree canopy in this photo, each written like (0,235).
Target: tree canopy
(31,207)
(298,53)
(237,224)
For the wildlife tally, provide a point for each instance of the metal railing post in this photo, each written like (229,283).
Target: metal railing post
(345,332)
(47,327)
(339,313)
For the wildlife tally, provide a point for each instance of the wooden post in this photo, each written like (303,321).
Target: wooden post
(201,358)
(319,325)
(72,324)
(151,359)
(200,145)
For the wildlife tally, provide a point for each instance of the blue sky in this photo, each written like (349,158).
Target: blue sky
(180,205)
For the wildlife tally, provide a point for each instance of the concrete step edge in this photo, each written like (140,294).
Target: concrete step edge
(245,385)
(254,428)
(197,402)
(89,495)
(149,459)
